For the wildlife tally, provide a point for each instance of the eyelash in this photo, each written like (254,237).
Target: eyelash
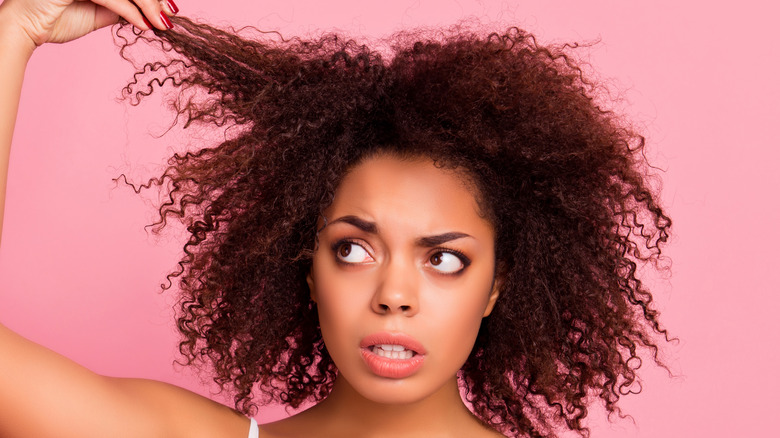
(461,256)
(335,248)
(463,259)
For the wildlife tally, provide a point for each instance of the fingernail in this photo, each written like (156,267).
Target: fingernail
(148,23)
(172,6)
(166,20)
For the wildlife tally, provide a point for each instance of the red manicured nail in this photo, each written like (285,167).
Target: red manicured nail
(172,6)
(166,20)
(148,23)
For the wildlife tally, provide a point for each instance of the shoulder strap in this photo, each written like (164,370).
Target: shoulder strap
(254,431)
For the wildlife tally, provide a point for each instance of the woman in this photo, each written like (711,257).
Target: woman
(377,235)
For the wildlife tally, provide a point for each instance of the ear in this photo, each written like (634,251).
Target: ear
(493,296)
(312,289)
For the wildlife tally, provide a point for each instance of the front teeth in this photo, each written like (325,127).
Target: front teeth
(392,351)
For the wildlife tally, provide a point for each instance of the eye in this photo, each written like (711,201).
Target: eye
(448,262)
(351,253)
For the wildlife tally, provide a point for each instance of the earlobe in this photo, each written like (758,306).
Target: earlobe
(312,290)
(491,300)
(499,274)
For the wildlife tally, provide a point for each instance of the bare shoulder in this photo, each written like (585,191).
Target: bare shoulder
(182,413)
(299,425)
(295,429)
(302,424)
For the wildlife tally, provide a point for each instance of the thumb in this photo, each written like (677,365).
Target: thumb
(105,17)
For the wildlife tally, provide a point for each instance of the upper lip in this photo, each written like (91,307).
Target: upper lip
(401,339)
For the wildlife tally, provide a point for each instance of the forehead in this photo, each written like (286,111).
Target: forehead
(408,191)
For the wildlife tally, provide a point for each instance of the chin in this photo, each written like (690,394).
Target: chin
(392,397)
(398,391)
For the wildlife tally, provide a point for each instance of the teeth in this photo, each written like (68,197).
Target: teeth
(392,351)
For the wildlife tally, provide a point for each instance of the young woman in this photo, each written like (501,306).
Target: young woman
(383,234)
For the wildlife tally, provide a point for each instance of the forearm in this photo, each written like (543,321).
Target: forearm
(15,51)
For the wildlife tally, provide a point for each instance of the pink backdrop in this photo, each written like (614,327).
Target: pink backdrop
(80,275)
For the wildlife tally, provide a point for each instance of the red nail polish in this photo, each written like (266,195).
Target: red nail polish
(148,23)
(172,6)
(166,20)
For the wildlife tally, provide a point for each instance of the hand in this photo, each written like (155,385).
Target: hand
(59,21)
(26,24)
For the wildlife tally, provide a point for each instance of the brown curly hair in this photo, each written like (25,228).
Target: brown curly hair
(563,181)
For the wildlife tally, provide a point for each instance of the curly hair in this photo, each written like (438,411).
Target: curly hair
(564,182)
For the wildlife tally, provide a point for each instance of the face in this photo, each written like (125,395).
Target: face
(402,277)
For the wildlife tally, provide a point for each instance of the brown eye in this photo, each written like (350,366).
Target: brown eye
(351,253)
(447,262)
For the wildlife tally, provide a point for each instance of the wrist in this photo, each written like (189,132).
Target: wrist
(14,40)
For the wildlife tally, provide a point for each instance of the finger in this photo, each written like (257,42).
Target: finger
(141,13)
(123,8)
(170,7)
(153,10)
(105,17)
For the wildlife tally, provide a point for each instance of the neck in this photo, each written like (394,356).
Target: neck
(439,412)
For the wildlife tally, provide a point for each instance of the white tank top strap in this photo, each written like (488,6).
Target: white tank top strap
(254,431)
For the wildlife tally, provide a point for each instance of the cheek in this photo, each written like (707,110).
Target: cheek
(460,320)
(333,322)
(332,290)
(339,300)
(455,319)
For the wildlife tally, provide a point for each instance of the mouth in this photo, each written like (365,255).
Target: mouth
(392,355)
(392,351)
(392,345)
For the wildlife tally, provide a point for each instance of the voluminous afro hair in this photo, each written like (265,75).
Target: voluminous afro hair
(563,181)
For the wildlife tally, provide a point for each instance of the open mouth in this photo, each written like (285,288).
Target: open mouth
(392,355)
(392,351)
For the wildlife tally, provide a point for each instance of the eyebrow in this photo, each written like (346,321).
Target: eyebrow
(427,241)
(432,241)
(362,224)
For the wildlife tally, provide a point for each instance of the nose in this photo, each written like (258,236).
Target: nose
(397,292)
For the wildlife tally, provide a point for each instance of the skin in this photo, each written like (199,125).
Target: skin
(398,290)
(28,24)
(67,400)
(379,274)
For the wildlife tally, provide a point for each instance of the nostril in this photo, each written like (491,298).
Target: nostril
(384,308)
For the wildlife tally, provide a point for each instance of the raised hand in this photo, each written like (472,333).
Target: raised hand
(27,24)
(59,21)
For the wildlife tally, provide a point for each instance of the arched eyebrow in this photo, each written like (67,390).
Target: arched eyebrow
(427,241)
(433,241)
(362,224)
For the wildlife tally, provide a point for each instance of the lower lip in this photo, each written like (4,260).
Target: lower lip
(391,368)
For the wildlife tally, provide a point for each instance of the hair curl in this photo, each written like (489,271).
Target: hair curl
(563,181)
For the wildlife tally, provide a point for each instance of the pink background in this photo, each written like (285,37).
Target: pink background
(79,274)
